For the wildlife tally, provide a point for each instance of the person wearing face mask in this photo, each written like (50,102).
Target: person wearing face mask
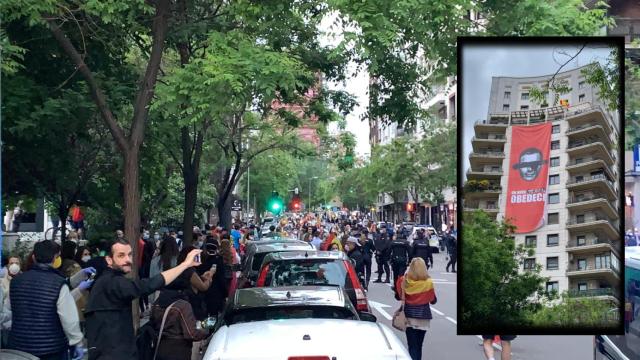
(215,296)
(146,250)
(83,255)
(45,319)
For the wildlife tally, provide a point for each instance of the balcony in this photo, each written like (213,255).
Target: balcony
(590,271)
(593,245)
(594,224)
(492,211)
(594,131)
(590,164)
(496,123)
(486,157)
(590,147)
(587,114)
(492,192)
(597,183)
(596,202)
(603,293)
(484,174)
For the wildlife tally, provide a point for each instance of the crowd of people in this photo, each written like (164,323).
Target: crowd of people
(64,300)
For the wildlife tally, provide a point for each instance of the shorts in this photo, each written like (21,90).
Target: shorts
(78,225)
(502,337)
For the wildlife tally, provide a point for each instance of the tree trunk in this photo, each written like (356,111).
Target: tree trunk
(63,211)
(224,211)
(190,197)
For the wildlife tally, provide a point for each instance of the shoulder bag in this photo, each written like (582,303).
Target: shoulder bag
(399,320)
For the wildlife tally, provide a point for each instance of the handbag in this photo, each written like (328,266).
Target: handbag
(164,319)
(399,320)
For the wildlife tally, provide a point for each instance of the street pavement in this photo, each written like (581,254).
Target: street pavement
(441,342)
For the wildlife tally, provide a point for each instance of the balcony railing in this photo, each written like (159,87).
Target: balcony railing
(488,153)
(487,189)
(583,142)
(582,127)
(501,138)
(591,178)
(591,267)
(494,120)
(574,242)
(485,171)
(588,220)
(591,292)
(582,161)
(486,207)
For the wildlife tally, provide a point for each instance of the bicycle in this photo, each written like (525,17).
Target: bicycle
(55,232)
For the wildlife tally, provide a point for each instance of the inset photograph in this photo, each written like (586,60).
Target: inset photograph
(540,185)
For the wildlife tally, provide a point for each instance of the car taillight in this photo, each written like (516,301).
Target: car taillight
(263,276)
(361,300)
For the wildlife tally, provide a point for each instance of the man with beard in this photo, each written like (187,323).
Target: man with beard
(109,319)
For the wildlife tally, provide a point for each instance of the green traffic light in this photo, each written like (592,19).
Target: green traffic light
(275,206)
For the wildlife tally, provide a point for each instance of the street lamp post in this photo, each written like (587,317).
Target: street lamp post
(312,178)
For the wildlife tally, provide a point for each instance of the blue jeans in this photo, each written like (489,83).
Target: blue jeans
(415,339)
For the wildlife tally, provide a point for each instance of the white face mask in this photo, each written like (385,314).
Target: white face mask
(14,269)
(157,237)
(86,258)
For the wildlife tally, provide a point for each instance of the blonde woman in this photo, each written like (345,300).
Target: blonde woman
(416,292)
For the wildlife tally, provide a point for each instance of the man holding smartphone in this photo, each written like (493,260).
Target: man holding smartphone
(109,319)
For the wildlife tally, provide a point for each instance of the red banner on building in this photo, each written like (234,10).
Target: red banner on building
(528,172)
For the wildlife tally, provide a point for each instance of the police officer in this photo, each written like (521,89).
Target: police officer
(400,252)
(421,248)
(382,244)
(452,247)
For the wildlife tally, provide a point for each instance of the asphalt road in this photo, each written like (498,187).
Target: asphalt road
(441,342)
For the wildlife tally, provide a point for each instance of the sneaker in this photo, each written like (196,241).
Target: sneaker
(387,281)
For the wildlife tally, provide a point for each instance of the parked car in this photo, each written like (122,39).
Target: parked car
(297,268)
(435,241)
(298,323)
(255,253)
(606,349)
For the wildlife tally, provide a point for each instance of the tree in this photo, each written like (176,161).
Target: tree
(573,312)
(494,291)
(131,19)
(632,102)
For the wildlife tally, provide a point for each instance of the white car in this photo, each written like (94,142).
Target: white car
(298,323)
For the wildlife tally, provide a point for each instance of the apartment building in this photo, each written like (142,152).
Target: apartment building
(577,243)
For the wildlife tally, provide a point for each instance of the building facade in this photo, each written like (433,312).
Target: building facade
(579,245)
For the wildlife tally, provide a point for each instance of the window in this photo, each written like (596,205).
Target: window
(552,240)
(582,240)
(524,107)
(554,198)
(555,161)
(582,287)
(529,264)
(491,205)
(579,161)
(603,261)
(580,98)
(530,241)
(553,218)
(505,107)
(555,145)
(507,95)
(554,179)
(582,264)
(580,218)
(579,178)
(552,263)
(552,286)
(495,169)
(581,85)
(555,129)
(524,96)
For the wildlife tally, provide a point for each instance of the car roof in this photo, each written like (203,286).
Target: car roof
(284,246)
(289,296)
(275,240)
(293,255)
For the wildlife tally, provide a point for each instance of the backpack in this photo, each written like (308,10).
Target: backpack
(146,341)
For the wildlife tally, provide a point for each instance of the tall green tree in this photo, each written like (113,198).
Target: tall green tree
(494,290)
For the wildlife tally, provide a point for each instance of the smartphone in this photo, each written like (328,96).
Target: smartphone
(197,258)
(214,267)
(92,276)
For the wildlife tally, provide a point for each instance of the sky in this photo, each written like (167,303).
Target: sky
(356,85)
(481,63)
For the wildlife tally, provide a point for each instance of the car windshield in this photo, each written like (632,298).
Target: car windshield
(288,312)
(307,272)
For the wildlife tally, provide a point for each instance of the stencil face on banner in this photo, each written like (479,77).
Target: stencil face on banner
(528,171)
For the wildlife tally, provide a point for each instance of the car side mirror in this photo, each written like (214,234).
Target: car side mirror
(365,316)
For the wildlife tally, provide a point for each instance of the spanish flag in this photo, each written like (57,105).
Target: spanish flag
(418,292)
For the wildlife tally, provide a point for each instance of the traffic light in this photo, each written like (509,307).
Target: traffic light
(275,203)
(409,207)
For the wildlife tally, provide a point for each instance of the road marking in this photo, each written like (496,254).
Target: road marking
(444,282)
(452,320)
(437,311)
(380,308)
